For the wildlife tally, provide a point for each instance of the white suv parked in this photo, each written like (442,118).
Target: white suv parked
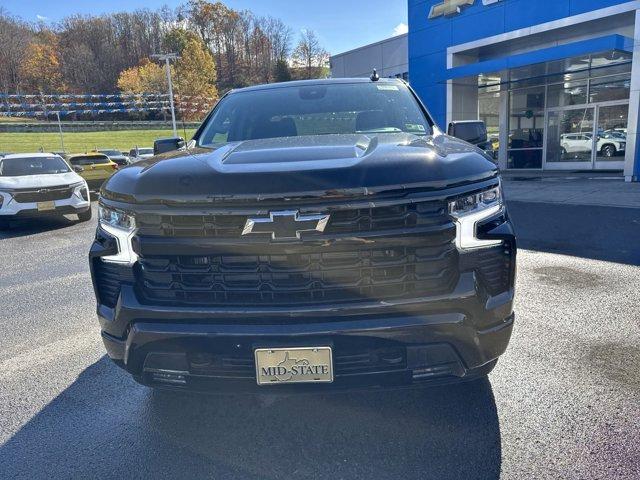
(35,184)
(609,143)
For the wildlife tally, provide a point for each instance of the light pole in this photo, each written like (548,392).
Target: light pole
(60,130)
(167,57)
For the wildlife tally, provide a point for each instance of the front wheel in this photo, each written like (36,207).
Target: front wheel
(608,151)
(85,216)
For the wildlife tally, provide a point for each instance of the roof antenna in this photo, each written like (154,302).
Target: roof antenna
(374,76)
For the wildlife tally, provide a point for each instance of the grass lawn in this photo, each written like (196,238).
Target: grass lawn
(78,142)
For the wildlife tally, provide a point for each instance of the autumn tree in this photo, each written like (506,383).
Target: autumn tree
(310,57)
(245,47)
(40,69)
(176,39)
(148,77)
(15,36)
(195,76)
(93,51)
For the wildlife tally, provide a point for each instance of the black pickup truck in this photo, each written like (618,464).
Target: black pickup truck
(312,236)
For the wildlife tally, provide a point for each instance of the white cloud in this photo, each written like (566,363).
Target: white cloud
(400,29)
(42,18)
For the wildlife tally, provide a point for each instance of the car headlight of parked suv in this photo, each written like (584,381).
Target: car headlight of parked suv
(469,210)
(81,190)
(5,198)
(121,226)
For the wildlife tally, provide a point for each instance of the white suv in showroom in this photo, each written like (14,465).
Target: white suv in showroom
(37,184)
(609,143)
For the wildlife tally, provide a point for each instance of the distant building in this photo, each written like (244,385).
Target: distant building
(390,57)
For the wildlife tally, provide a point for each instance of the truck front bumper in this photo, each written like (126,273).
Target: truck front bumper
(456,337)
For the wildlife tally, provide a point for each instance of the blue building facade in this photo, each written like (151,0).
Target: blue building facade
(557,81)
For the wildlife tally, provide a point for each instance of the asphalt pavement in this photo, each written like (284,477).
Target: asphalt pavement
(563,402)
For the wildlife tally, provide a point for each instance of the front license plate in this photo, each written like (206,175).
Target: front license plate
(44,206)
(294,365)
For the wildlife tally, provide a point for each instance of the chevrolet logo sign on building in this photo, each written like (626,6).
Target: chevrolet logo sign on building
(453,7)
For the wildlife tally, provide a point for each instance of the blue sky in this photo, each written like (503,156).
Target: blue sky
(341,24)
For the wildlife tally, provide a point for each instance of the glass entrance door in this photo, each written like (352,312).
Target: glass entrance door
(586,138)
(611,136)
(570,138)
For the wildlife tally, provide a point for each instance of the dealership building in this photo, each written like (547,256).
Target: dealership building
(556,81)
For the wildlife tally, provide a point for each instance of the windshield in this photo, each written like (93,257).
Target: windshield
(111,153)
(315,110)
(17,167)
(614,135)
(145,151)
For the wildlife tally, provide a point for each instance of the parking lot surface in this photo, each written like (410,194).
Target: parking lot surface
(563,403)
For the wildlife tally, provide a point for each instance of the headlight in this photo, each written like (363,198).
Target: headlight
(116,218)
(5,198)
(121,226)
(81,190)
(471,209)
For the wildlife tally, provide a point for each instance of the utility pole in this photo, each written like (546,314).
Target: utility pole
(167,57)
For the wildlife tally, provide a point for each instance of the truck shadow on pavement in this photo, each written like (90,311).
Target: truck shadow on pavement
(106,426)
(597,232)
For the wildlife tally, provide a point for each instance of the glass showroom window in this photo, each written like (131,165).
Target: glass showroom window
(567,93)
(489,113)
(608,89)
(526,127)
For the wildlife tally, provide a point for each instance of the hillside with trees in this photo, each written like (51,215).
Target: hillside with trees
(221,48)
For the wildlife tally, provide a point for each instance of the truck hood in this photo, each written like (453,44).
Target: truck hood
(39,181)
(301,166)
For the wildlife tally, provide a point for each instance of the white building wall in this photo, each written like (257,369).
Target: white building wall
(390,57)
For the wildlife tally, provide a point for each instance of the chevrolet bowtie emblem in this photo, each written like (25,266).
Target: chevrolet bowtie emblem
(286,225)
(453,7)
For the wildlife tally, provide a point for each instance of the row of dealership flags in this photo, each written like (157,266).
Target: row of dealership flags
(25,106)
(63,113)
(52,106)
(100,95)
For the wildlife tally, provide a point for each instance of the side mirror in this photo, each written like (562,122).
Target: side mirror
(163,145)
(474,132)
(78,169)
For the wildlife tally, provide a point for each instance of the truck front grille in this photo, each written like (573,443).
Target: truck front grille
(372,253)
(357,274)
(342,220)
